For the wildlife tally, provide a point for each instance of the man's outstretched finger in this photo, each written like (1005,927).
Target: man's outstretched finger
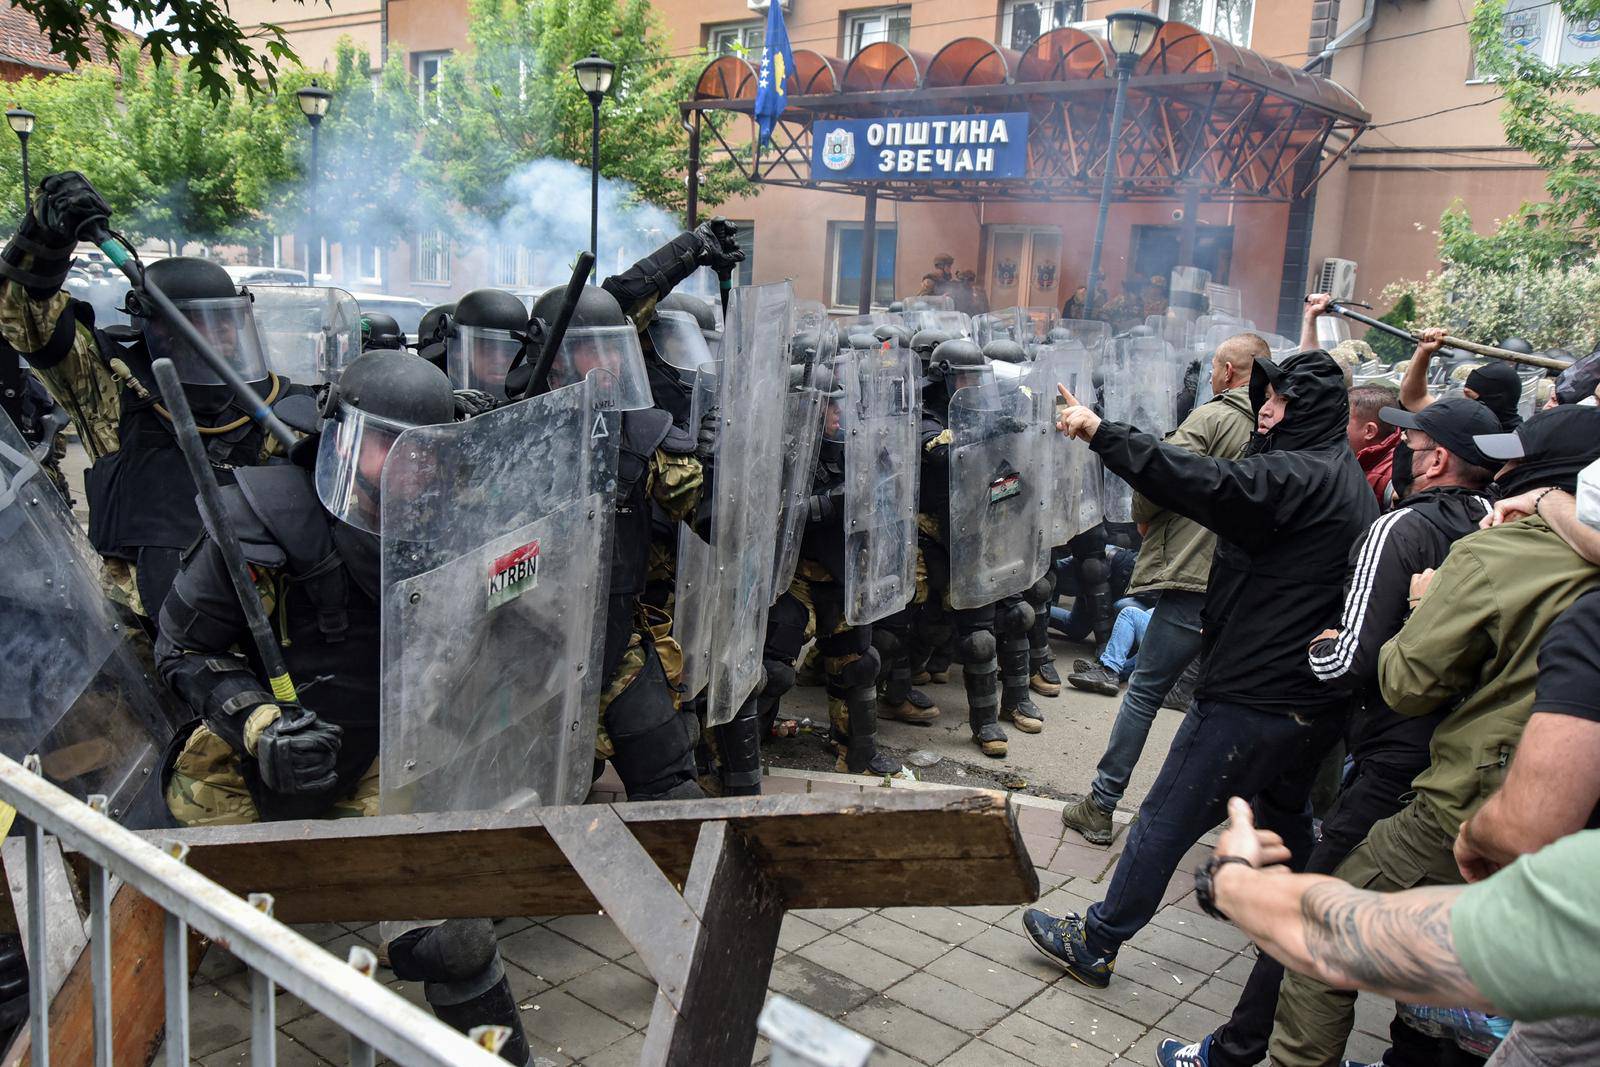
(1239,814)
(1066,394)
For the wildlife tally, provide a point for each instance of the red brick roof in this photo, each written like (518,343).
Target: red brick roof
(23,43)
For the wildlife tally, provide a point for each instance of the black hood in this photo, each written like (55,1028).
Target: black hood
(1319,403)
(1450,508)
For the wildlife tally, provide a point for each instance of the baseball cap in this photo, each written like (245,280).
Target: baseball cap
(1566,429)
(1578,382)
(1454,422)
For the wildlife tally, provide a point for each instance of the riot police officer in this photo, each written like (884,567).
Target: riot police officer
(140,495)
(312,539)
(380,331)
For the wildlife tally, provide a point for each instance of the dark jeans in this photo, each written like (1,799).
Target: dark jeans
(1221,750)
(1373,792)
(1171,640)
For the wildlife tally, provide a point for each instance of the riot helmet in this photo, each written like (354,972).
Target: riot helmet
(487,330)
(1058,335)
(962,364)
(433,333)
(1517,344)
(824,379)
(861,339)
(925,341)
(679,341)
(609,350)
(381,394)
(206,296)
(692,305)
(898,336)
(596,307)
(380,331)
(1005,350)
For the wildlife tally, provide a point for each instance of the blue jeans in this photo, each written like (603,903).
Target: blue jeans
(1221,750)
(1170,640)
(1127,636)
(1077,623)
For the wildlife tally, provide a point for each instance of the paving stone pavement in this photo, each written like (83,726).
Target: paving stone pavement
(953,987)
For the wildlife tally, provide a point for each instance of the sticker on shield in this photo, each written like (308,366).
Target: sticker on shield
(513,574)
(1006,485)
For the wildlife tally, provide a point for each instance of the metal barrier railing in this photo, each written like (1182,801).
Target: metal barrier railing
(376,1019)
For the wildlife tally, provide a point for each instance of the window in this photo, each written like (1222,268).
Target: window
(846,287)
(427,66)
(1228,19)
(1025,21)
(745,237)
(862,28)
(433,257)
(1539,27)
(511,266)
(736,38)
(1155,251)
(369,263)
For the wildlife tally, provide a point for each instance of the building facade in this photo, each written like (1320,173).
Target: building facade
(1435,138)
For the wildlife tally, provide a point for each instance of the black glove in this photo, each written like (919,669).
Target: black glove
(715,246)
(297,753)
(706,445)
(471,402)
(67,202)
(1010,424)
(823,506)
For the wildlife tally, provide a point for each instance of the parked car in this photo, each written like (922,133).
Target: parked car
(244,274)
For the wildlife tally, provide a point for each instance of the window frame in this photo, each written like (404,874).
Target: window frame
(1207,23)
(853,20)
(418,60)
(745,30)
(444,253)
(1549,51)
(376,277)
(837,228)
(1008,14)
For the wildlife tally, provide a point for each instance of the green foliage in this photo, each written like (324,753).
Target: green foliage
(511,99)
(195,33)
(1544,116)
(78,124)
(1553,307)
(1524,239)
(1388,347)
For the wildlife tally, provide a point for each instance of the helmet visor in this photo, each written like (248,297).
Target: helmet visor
(678,340)
(228,325)
(478,358)
(350,458)
(975,376)
(611,350)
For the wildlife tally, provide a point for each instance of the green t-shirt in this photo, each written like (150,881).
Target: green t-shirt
(1529,937)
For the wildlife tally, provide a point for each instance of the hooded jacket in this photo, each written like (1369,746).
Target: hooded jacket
(1377,461)
(1406,541)
(1286,516)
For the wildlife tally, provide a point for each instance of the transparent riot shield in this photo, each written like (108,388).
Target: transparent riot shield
(881,413)
(930,303)
(734,572)
(694,578)
(1092,334)
(1006,324)
(496,550)
(954,323)
(309,332)
(1072,469)
(802,438)
(1224,302)
(998,491)
(79,684)
(1137,388)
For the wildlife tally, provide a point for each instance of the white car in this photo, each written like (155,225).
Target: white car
(407,312)
(244,274)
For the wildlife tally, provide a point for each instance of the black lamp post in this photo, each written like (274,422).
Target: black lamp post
(314,105)
(594,78)
(1130,34)
(21,122)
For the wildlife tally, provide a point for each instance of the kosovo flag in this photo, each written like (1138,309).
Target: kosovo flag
(777,60)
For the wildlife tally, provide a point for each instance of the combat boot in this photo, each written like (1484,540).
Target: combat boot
(1090,820)
(1042,676)
(1015,706)
(898,699)
(1044,680)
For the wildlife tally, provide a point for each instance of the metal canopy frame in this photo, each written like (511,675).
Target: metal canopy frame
(1204,118)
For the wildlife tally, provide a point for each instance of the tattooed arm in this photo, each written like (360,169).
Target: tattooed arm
(1396,944)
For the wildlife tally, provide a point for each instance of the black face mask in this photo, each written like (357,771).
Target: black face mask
(1400,474)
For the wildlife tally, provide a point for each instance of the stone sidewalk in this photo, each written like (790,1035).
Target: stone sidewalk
(961,987)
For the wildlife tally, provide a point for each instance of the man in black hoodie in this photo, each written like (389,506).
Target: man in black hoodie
(1448,476)
(1285,515)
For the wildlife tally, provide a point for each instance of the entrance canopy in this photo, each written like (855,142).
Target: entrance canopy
(1203,116)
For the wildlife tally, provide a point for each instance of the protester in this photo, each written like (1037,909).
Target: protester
(1386,750)
(1496,383)
(1522,943)
(1174,563)
(1286,515)
(1470,647)
(1117,659)
(1077,623)
(1371,436)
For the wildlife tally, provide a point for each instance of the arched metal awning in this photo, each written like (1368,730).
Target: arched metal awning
(1203,116)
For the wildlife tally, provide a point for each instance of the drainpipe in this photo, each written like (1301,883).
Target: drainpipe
(1356,29)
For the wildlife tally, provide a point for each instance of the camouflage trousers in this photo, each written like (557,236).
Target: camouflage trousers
(658,624)
(207,787)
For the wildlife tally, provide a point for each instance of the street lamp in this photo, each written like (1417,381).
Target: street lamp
(21,122)
(314,105)
(1130,34)
(594,78)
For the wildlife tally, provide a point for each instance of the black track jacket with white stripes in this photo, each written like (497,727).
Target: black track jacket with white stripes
(1406,541)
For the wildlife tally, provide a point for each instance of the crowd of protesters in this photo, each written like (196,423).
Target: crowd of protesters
(1403,587)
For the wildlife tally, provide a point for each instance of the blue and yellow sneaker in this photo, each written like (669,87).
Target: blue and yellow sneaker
(1174,1053)
(1062,942)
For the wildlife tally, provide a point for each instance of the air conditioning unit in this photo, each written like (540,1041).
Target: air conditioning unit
(762,5)
(1338,278)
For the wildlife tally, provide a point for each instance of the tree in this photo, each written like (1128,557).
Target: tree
(79,120)
(1544,116)
(510,99)
(1388,347)
(197,32)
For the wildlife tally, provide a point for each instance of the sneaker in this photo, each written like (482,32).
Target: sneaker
(908,711)
(1174,1053)
(1062,942)
(1098,678)
(1045,681)
(1090,820)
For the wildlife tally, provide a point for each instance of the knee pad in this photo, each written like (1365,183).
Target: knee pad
(1013,618)
(652,741)
(1094,574)
(780,678)
(976,647)
(739,745)
(862,671)
(454,952)
(853,641)
(786,628)
(1043,591)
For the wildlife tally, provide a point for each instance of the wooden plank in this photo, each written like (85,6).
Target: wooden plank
(879,849)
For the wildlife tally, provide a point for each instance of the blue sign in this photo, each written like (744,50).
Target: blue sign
(929,148)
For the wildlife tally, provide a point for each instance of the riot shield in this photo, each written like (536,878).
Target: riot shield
(1072,469)
(1224,302)
(998,491)
(729,583)
(802,438)
(954,323)
(881,413)
(930,303)
(309,332)
(1092,334)
(79,685)
(1006,324)
(1137,389)
(496,551)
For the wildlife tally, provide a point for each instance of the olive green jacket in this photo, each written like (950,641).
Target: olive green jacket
(1176,553)
(1473,642)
